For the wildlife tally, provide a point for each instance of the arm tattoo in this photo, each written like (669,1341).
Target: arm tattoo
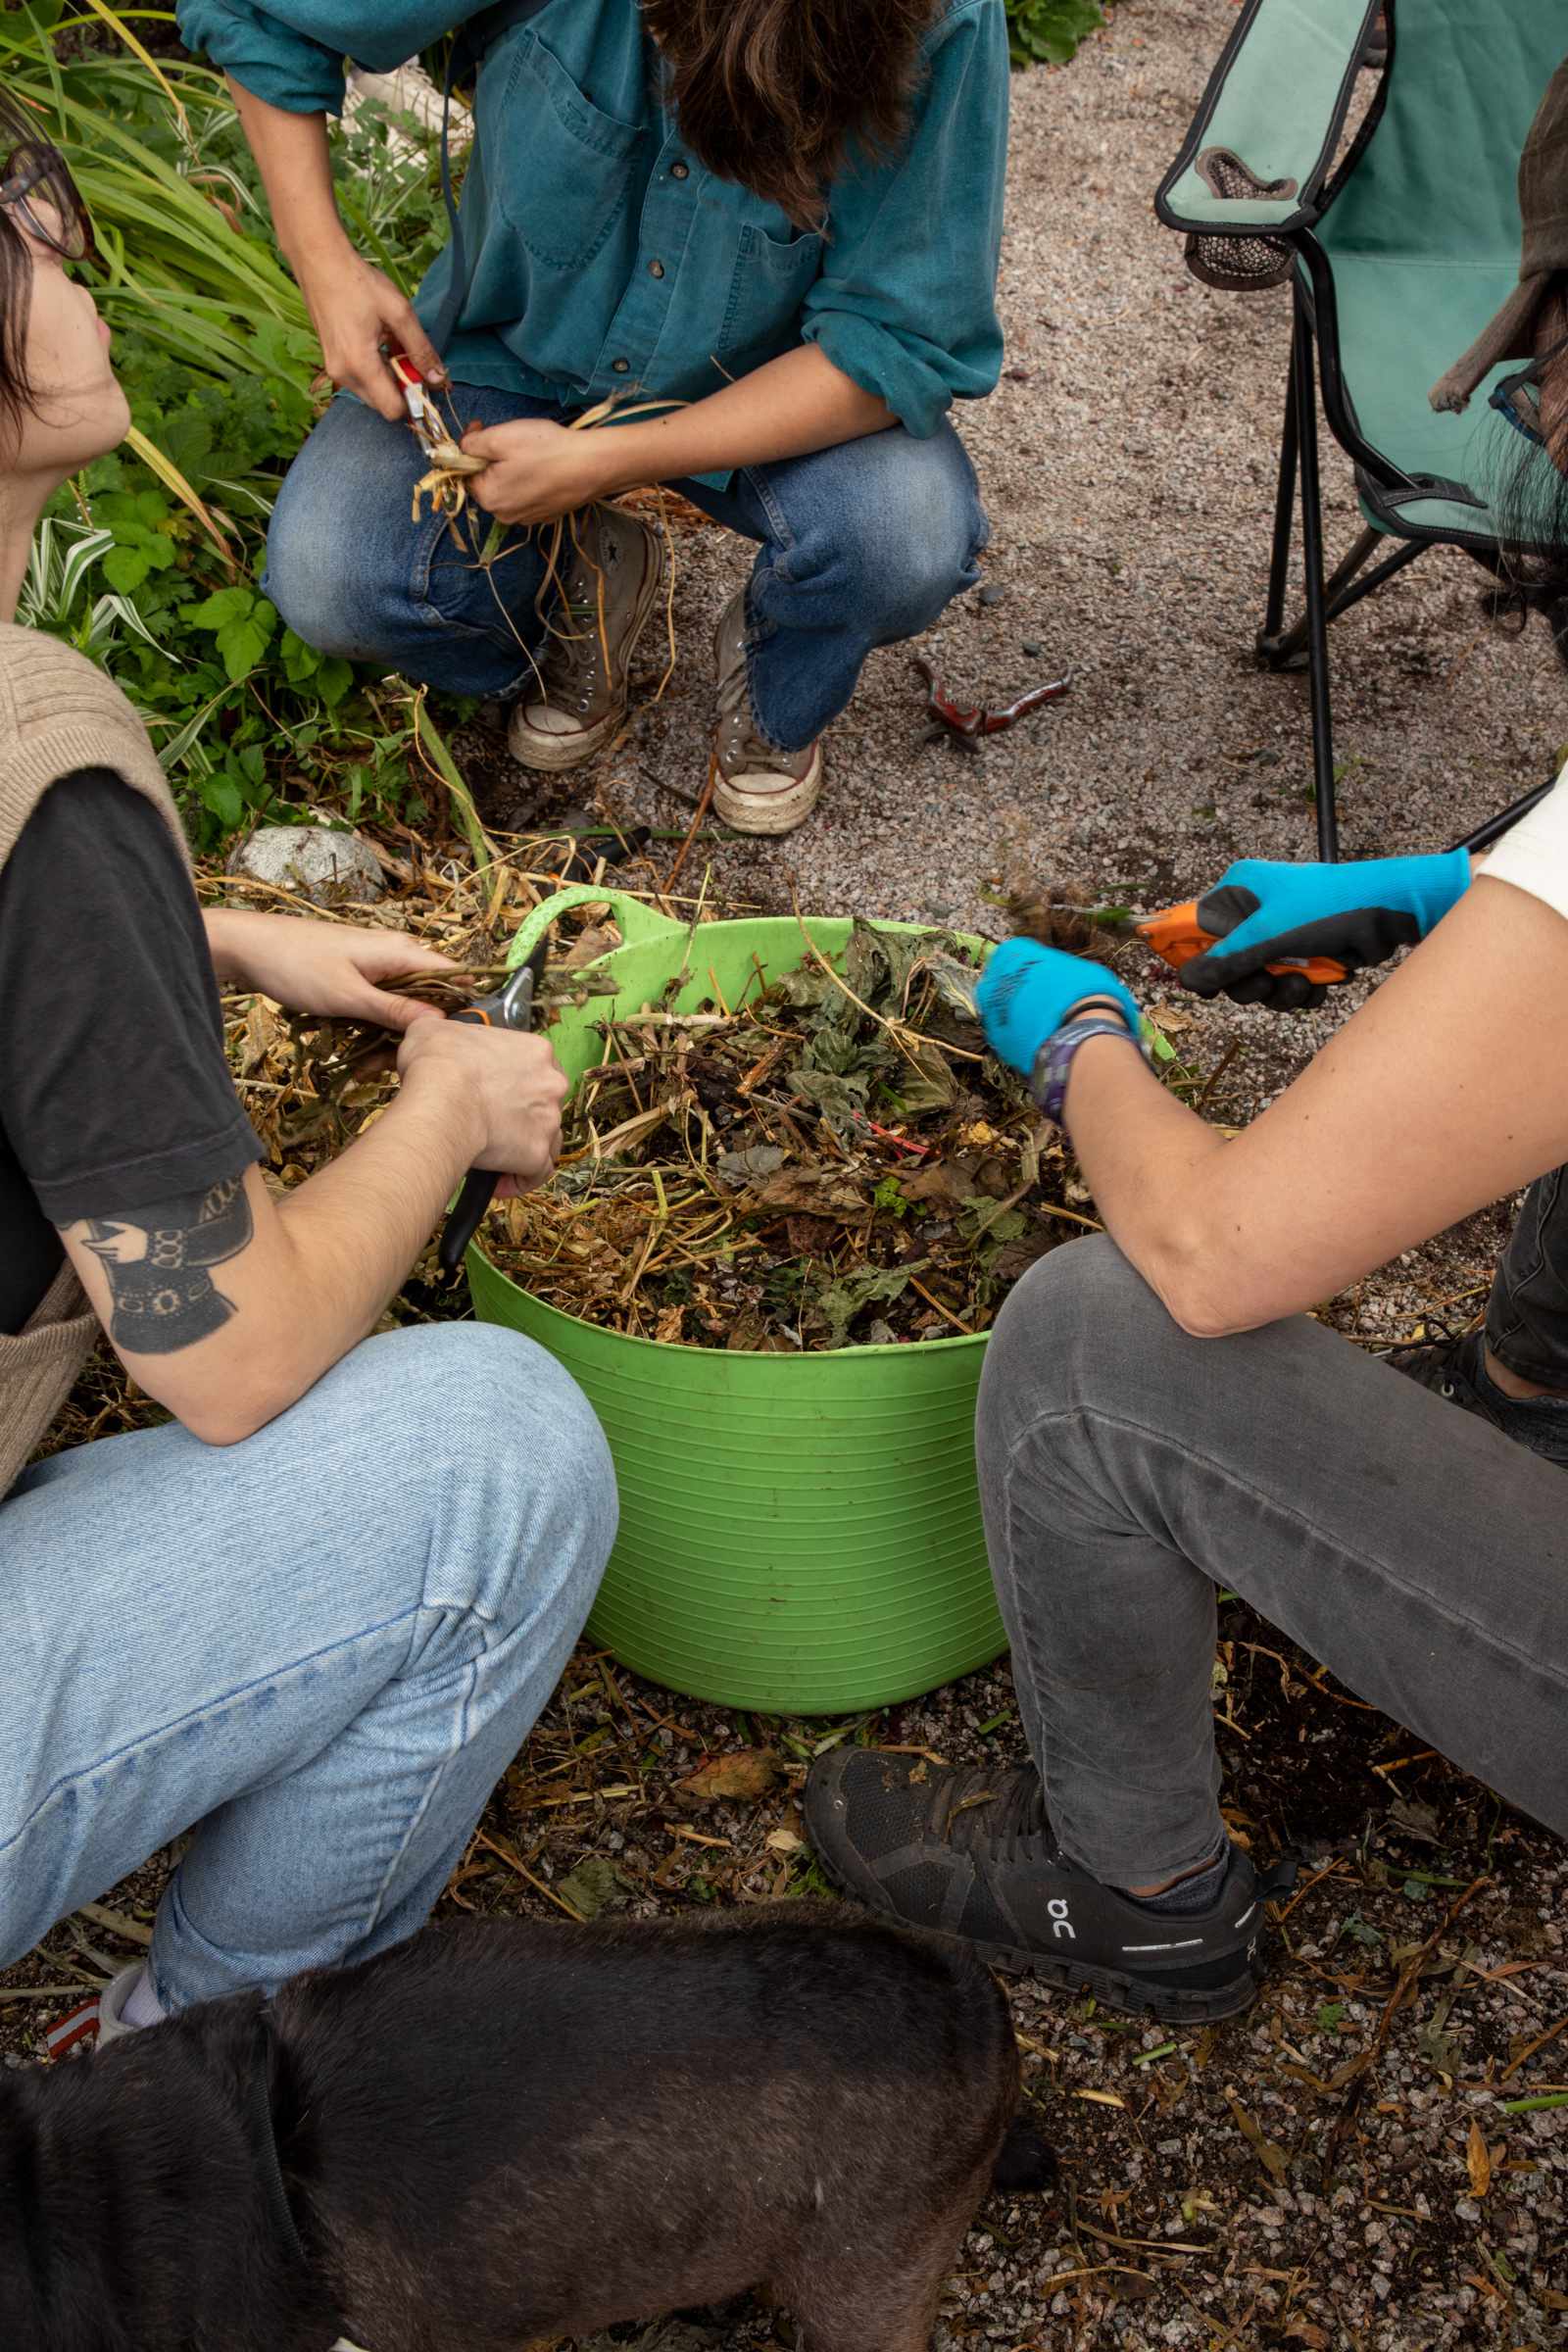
(156,1260)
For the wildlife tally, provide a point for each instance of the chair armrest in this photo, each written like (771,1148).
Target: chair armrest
(1275,107)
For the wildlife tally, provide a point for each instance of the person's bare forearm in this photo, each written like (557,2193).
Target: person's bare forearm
(792,407)
(355,1228)
(1146,1159)
(358,313)
(296,168)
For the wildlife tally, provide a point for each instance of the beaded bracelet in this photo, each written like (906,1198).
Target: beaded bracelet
(1048,1081)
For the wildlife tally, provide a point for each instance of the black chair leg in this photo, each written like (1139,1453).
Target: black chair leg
(1317,627)
(1284,511)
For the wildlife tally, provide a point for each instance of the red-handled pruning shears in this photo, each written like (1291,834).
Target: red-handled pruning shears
(428,428)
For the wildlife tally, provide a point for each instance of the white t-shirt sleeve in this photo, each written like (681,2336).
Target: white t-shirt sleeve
(1535,855)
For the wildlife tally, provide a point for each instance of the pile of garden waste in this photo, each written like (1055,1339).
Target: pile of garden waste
(834,1160)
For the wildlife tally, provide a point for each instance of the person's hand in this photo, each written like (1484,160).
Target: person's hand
(1027,992)
(536,471)
(1263,912)
(508,1086)
(358,314)
(330,969)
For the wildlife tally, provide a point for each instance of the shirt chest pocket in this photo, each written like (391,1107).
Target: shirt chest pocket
(772,279)
(561,167)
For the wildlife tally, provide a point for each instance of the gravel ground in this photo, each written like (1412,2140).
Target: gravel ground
(1343,2166)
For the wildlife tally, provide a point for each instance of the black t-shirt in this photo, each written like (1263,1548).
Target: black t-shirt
(114,1093)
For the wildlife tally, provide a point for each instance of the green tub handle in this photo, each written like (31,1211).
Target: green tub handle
(637,921)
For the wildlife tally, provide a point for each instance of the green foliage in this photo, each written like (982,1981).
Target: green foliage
(218,360)
(1047,32)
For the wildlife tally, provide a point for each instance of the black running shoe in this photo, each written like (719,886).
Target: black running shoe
(971,1853)
(1454,1368)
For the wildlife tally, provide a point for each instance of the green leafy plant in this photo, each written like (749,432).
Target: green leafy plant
(152,560)
(1047,32)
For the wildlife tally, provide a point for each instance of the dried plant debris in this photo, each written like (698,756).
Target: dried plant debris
(834,1160)
(1059,915)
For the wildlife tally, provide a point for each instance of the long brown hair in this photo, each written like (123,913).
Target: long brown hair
(773,93)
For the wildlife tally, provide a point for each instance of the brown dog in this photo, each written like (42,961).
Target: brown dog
(503,2132)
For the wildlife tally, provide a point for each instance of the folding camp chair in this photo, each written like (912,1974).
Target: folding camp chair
(1397,256)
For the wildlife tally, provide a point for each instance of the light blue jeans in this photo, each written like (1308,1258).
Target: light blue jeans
(320,1648)
(862,545)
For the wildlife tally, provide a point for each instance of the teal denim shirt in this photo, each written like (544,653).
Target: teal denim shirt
(602,259)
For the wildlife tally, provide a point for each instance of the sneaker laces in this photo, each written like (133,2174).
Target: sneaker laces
(572,661)
(746,751)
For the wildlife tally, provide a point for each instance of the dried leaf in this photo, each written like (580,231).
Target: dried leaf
(948,1181)
(1478,2160)
(1415,1819)
(743,1777)
(816,1191)
(596,1886)
(755,1160)
(1299,2331)
(1274,2159)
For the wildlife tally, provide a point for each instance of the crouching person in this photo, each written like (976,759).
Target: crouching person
(314,1617)
(778,218)
(1157,1419)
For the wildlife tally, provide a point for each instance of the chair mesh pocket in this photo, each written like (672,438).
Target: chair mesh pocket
(1238,265)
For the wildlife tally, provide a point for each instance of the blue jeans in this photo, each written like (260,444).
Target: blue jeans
(320,1648)
(861,546)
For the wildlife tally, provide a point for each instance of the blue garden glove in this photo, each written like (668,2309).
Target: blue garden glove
(1026,992)
(1262,912)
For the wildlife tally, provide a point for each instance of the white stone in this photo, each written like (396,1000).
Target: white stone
(329,870)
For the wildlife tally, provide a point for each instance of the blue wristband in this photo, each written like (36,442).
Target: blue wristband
(1048,1081)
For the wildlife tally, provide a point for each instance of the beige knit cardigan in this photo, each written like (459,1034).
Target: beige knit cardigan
(57,713)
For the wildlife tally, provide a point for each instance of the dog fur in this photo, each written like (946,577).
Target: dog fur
(504,2133)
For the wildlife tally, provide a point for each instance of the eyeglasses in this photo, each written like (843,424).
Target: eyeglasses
(35,184)
(1518,396)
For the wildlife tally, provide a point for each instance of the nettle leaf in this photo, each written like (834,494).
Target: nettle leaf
(220,610)
(923,1082)
(243,643)
(301,662)
(841,1301)
(333,680)
(838,1097)
(832,1050)
(865,964)
(807,986)
(223,795)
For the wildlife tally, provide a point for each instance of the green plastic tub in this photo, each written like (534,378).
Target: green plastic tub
(798,1534)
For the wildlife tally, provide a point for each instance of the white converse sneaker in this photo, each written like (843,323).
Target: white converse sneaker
(112,2026)
(756,788)
(609,586)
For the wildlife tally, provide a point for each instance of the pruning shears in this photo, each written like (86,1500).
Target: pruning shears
(1176,935)
(511,1008)
(428,428)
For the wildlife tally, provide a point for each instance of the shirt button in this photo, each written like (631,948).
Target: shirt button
(656,269)
(680,170)
(621,367)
